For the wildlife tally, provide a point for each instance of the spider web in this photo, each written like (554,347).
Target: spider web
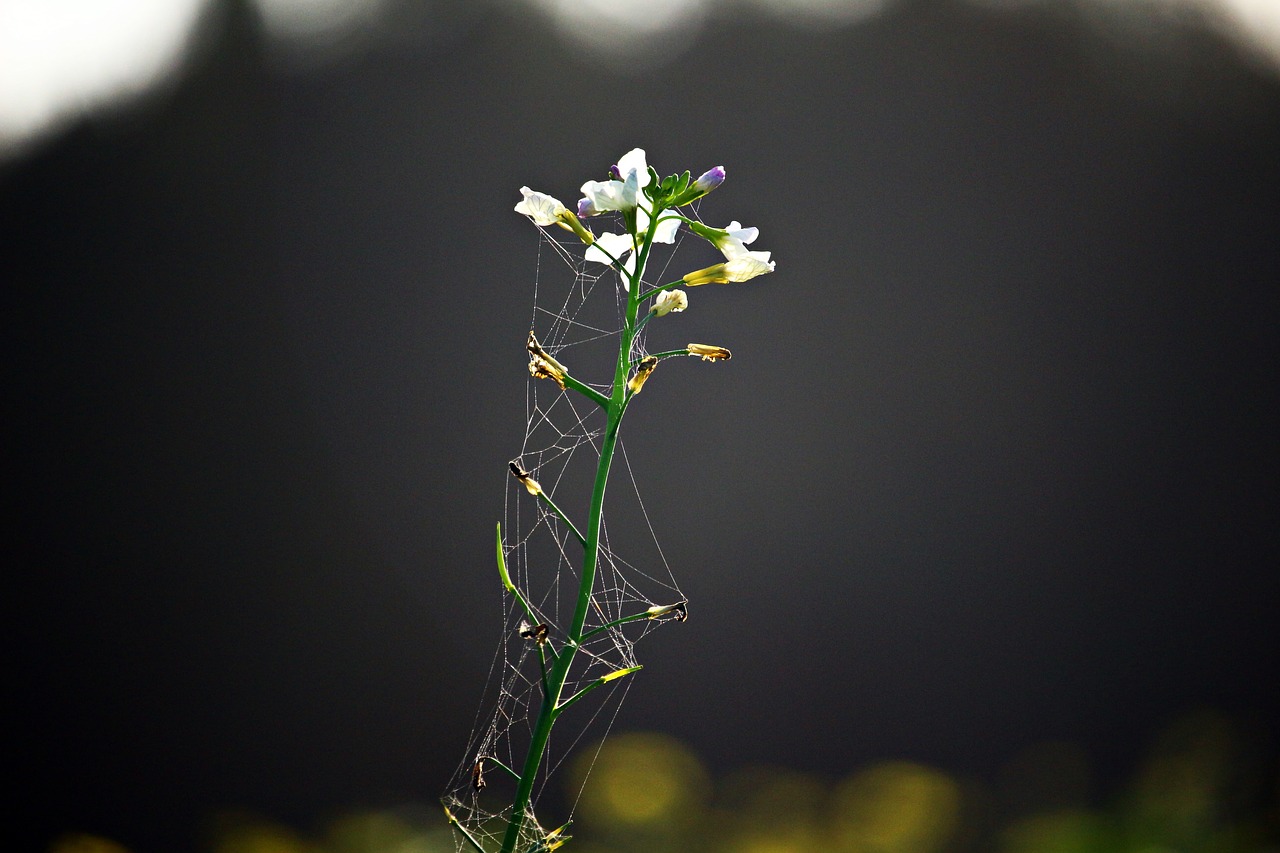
(578,316)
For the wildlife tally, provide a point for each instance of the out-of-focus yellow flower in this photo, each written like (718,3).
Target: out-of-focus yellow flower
(709,352)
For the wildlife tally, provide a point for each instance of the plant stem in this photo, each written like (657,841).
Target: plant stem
(559,673)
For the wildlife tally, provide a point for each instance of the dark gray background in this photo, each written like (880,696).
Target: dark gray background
(994,462)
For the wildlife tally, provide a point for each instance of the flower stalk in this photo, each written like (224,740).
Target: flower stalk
(648,209)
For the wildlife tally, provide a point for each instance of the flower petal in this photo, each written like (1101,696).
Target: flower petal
(540,207)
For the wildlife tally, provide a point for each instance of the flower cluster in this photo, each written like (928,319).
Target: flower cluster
(650,212)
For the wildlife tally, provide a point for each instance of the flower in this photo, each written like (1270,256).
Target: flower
(541,208)
(631,174)
(742,268)
(643,371)
(669,301)
(547,210)
(709,352)
(731,240)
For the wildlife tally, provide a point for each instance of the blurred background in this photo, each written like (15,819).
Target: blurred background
(979,527)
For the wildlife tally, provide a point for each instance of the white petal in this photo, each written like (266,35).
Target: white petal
(634,161)
(666,230)
(748,266)
(615,244)
(746,235)
(605,195)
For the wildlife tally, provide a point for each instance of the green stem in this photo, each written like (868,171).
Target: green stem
(668,354)
(559,673)
(559,512)
(586,390)
(634,617)
(492,760)
(654,291)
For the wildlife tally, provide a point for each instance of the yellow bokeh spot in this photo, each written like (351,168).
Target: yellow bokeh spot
(897,806)
(641,779)
(243,833)
(81,843)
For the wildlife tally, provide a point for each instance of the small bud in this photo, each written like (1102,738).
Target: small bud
(643,371)
(709,353)
(705,183)
(522,475)
(678,611)
(709,180)
(669,301)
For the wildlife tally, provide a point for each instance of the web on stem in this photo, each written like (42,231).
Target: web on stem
(578,316)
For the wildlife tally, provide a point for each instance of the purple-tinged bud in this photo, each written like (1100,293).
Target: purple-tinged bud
(616,173)
(586,208)
(710,179)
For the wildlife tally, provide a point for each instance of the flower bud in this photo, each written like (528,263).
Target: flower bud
(670,301)
(709,352)
(709,180)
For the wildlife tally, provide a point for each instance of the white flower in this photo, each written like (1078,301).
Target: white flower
(540,207)
(731,240)
(631,175)
(545,210)
(670,301)
(742,268)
